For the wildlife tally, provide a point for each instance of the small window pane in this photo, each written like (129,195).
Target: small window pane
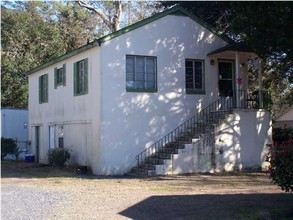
(130,84)
(189,64)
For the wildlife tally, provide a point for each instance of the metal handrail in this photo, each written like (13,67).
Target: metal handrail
(251,99)
(194,124)
(197,124)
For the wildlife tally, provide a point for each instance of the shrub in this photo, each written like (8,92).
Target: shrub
(8,146)
(282,135)
(59,156)
(281,164)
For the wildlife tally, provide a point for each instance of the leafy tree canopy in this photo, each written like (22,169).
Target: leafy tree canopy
(35,32)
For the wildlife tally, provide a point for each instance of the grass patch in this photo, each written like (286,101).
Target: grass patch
(22,169)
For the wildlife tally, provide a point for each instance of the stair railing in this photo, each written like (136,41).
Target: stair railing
(192,126)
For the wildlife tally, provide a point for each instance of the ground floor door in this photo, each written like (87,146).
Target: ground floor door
(37,142)
(226,78)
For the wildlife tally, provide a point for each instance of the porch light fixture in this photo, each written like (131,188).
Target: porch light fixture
(212,61)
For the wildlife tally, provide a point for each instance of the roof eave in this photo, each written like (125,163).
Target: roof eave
(64,56)
(235,47)
(127,29)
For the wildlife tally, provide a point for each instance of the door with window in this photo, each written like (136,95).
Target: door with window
(226,76)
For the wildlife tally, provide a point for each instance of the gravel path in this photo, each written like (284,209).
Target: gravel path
(249,196)
(24,203)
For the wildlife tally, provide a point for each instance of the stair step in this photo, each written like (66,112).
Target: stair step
(198,127)
(139,172)
(155,161)
(169,150)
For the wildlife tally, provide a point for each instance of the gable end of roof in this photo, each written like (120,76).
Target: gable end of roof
(177,10)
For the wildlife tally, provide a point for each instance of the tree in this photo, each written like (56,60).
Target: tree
(267,27)
(114,13)
(215,13)
(77,27)
(112,18)
(26,41)
(34,33)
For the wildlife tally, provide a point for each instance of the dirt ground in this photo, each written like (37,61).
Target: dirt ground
(30,191)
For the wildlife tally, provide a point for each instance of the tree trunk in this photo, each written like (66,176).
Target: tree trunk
(112,25)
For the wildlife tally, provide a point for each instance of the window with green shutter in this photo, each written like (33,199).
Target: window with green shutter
(194,76)
(141,73)
(43,88)
(81,77)
(60,76)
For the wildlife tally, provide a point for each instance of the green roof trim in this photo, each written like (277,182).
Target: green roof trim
(65,56)
(177,10)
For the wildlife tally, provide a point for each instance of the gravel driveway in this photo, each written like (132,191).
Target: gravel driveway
(24,203)
(222,196)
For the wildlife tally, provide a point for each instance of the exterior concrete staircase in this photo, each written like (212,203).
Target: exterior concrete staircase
(198,127)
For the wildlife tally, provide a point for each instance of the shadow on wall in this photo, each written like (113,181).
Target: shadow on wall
(134,121)
(243,140)
(234,206)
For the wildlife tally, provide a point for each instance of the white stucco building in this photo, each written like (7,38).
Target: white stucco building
(113,98)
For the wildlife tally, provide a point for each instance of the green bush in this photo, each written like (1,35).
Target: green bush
(281,135)
(59,156)
(8,146)
(281,164)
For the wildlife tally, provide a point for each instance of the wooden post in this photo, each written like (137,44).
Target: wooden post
(237,71)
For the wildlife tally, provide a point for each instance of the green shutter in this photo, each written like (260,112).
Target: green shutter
(40,89)
(64,74)
(75,84)
(47,88)
(86,74)
(55,77)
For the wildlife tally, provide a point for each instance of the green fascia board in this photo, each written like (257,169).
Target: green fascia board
(177,10)
(65,56)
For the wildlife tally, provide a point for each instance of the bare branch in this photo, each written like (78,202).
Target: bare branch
(99,13)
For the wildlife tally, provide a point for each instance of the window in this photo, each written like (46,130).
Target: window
(81,77)
(141,73)
(60,136)
(43,88)
(60,76)
(194,76)
(56,136)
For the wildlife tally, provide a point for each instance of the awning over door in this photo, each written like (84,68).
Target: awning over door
(240,47)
